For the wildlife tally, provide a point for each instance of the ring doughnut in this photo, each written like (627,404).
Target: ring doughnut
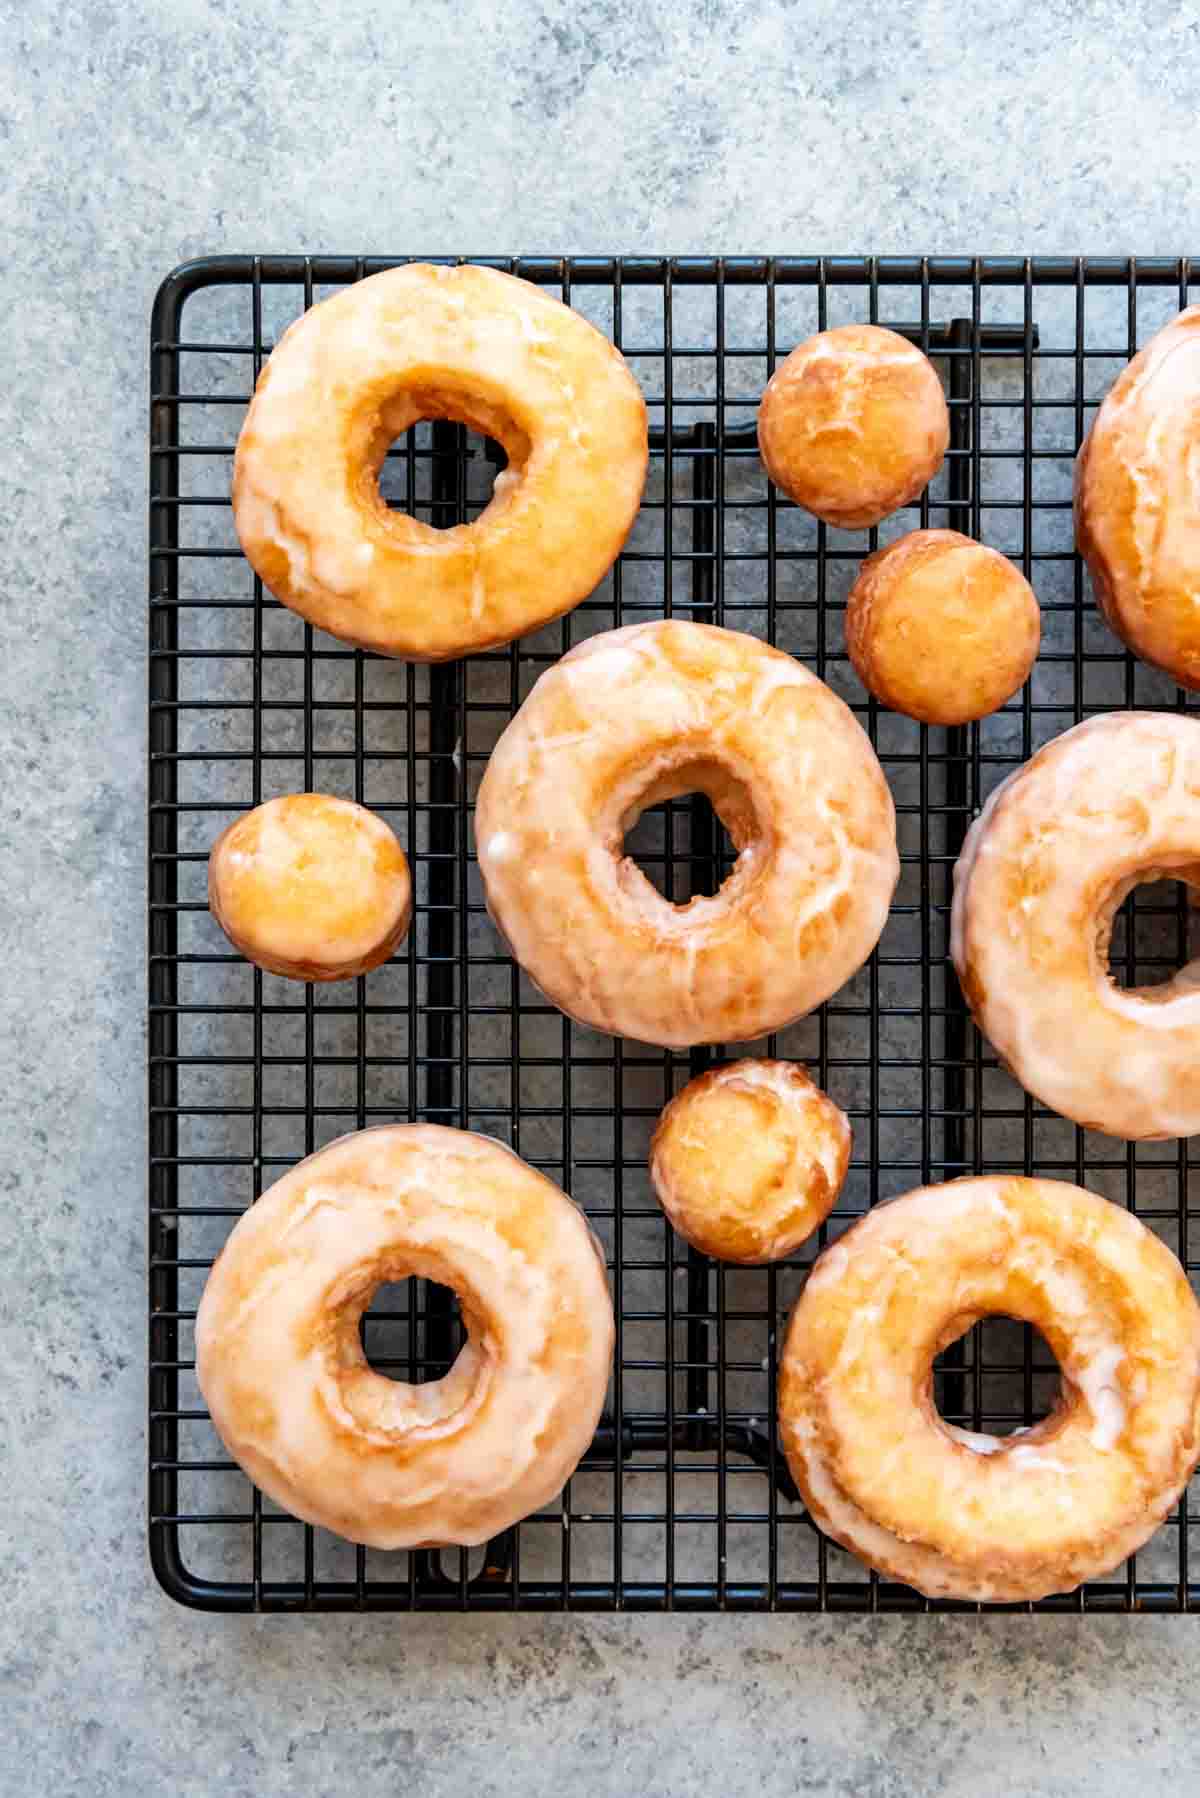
(748,1159)
(1104,807)
(1137,511)
(452,1461)
(636,716)
(496,354)
(853,424)
(309,886)
(942,628)
(962,1515)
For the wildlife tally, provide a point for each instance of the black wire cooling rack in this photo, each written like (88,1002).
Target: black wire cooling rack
(684,1500)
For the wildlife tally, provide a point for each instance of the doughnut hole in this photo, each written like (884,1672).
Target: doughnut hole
(853,424)
(995,1379)
(745,1155)
(942,628)
(438,474)
(311,887)
(668,847)
(1146,932)
(405,1354)
(412,1330)
(445,484)
(682,848)
(748,1160)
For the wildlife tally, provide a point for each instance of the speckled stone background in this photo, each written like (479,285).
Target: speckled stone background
(132,136)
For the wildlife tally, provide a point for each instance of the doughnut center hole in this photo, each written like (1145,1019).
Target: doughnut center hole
(686,832)
(443,459)
(1149,934)
(412,1331)
(999,1378)
(682,848)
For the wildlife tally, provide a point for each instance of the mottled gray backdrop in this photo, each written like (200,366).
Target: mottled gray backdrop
(132,136)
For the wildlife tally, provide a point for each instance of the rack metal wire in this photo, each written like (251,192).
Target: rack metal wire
(683,1501)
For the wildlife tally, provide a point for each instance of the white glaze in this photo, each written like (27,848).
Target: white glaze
(853,423)
(418,342)
(951,1511)
(1111,802)
(381,1461)
(640,715)
(749,1182)
(1137,501)
(311,886)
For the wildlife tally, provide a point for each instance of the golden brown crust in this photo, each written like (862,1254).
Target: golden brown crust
(853,424)
(983,1517)
(635,716)
(489,351)
(381,1461)
(311,887)
(1137,506)
(941,627)
(748,1160)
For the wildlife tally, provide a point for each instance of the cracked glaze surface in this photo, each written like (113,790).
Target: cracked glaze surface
(1059,844)
(1137,501)
(381,1461)
(749,1158)
(853,424)
(476,345)
(643,714)
(311,886)
(958,1514)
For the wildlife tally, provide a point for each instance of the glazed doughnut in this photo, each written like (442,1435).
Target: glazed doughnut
(853,424)
(636,716)
(941,628)
(1106,806)
(310,886)
(1137,506)
(748,1159)
(1003,1518)
(392,1465)
(470,344)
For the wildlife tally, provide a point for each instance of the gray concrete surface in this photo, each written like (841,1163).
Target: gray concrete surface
(132,136)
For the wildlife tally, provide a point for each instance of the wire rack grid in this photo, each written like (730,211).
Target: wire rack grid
(684,1501)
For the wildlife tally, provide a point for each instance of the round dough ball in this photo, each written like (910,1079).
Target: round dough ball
(941,627)
(309,886)
(748,1159)
(853,424)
